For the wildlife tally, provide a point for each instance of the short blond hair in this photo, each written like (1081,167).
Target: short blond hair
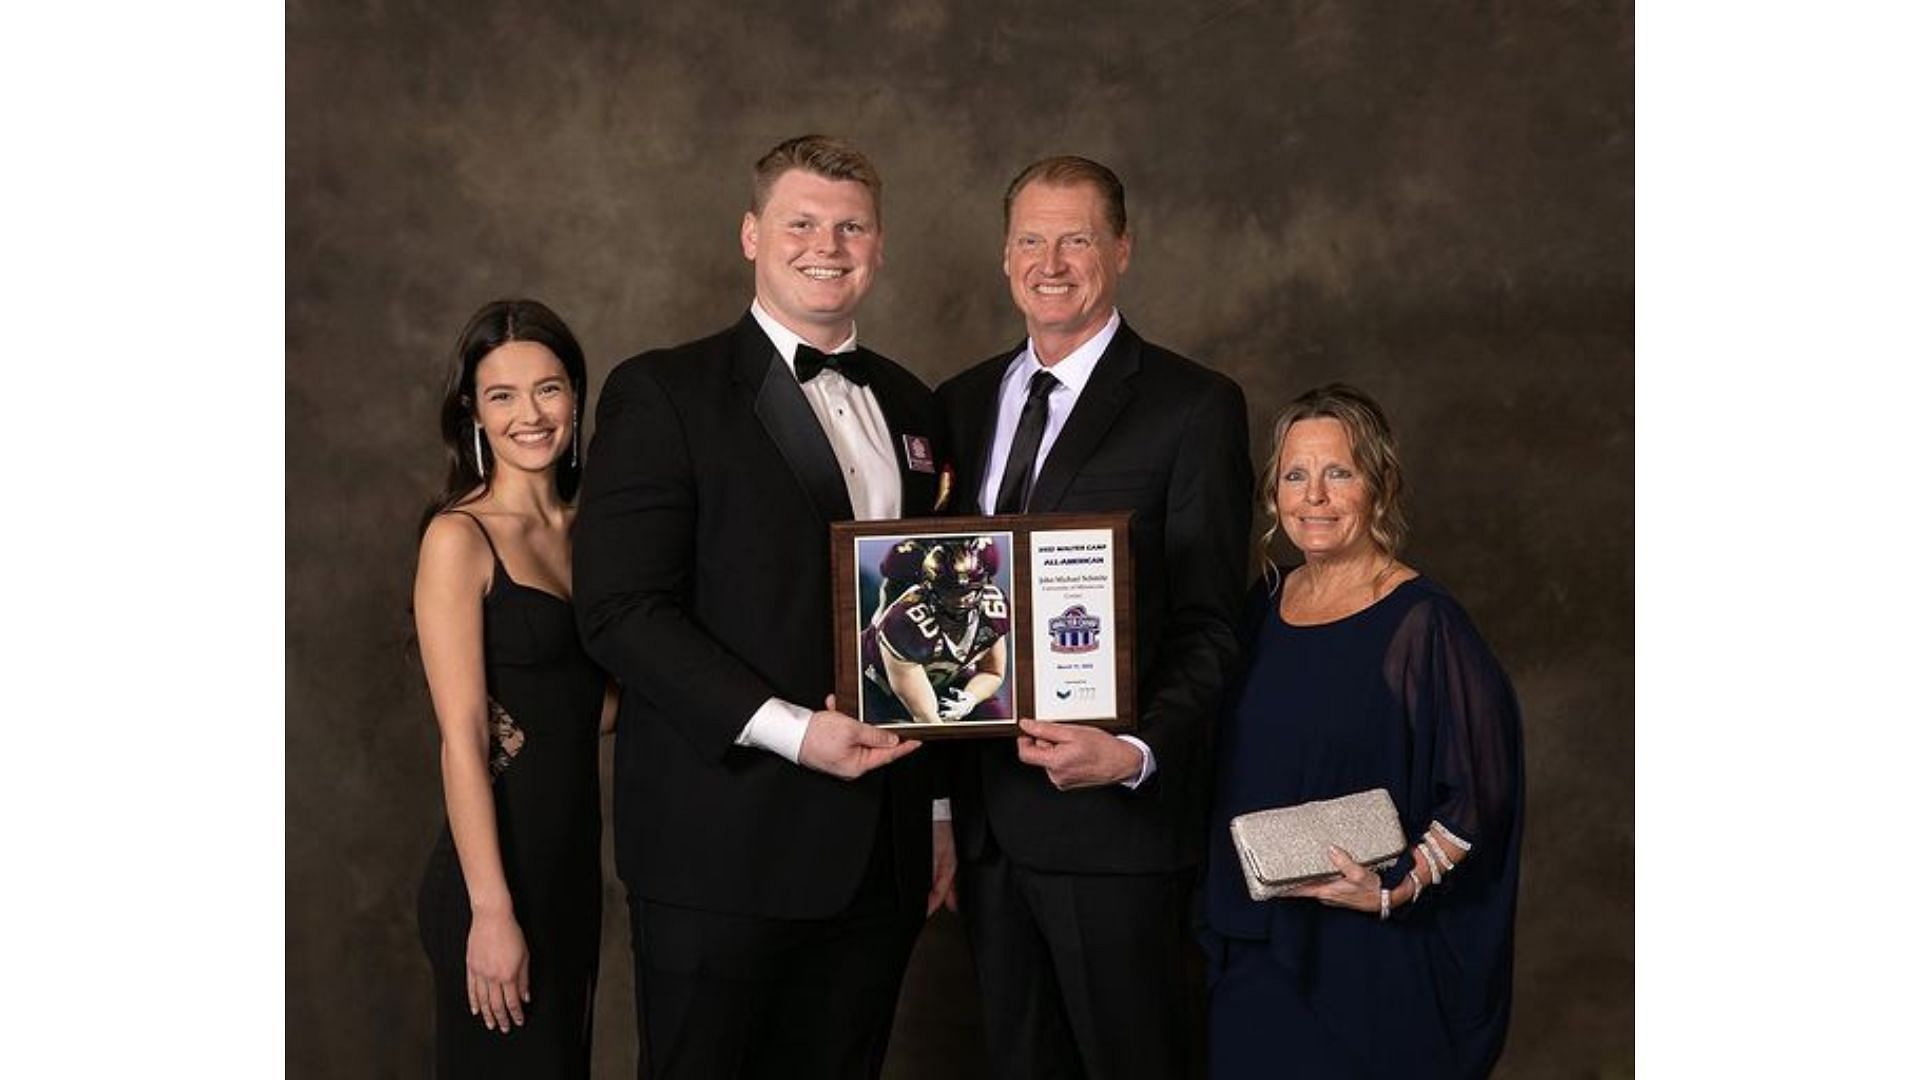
(822,155)
(1067,170)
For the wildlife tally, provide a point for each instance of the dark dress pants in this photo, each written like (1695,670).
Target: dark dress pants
(722,995)
(1082,975)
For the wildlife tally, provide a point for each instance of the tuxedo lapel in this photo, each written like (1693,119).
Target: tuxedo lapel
(916,485)
(987,408)
(789,421)
(1107,393)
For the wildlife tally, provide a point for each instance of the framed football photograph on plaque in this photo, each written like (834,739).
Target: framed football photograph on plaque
(960,626)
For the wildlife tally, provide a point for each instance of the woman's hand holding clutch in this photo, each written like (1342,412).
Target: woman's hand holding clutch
(1357,887)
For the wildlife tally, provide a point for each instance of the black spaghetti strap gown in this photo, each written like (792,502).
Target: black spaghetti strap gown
(544,696)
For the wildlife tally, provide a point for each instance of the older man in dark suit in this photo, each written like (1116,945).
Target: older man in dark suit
(1078,846)
(776,852)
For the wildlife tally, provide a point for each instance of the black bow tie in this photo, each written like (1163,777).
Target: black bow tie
(809,361)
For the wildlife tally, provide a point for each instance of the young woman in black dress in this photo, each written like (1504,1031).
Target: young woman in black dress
(510,904)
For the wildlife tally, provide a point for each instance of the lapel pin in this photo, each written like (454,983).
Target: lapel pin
(919,453)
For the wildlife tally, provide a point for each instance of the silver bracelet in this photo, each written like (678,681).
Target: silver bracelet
(1445,834)
(1433,865)
(1386,903)
(1413,876)
(1440,851)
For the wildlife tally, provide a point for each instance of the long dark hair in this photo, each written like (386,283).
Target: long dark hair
(494,325)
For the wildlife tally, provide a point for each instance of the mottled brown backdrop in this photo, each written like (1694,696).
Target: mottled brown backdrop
(1434,201)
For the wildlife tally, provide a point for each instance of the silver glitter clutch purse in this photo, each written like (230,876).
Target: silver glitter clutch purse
(1285,848)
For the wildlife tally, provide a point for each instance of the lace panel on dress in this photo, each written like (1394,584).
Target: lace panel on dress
(505,738)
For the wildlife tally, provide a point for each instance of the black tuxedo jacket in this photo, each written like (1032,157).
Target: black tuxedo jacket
(1161,436)
(702,583)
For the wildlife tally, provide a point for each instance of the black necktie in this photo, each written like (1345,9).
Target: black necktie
(1016,482)
(809,361)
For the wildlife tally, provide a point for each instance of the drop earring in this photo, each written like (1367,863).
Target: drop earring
(576,438)
(479,462)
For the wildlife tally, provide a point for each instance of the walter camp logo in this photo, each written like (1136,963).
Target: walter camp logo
(1074,631)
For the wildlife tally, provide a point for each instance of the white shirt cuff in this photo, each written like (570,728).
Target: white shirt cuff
(943,809)
(1146,762)
(778,727)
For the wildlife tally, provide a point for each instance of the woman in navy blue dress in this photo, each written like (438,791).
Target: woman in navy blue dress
(1362,673)
(510,902)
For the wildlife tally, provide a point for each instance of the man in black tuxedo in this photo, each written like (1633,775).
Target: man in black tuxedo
(1078,846)
(776,853)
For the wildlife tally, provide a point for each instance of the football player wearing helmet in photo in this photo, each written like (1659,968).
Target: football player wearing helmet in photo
(939,648)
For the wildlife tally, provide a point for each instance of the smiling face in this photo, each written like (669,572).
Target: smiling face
(1319,494)
(815,247)
(525,404)
(1063,264)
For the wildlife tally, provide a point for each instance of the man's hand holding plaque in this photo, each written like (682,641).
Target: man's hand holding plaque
(839,745)
(1077,756)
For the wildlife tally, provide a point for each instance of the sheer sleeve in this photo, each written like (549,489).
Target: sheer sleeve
(1465,775)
